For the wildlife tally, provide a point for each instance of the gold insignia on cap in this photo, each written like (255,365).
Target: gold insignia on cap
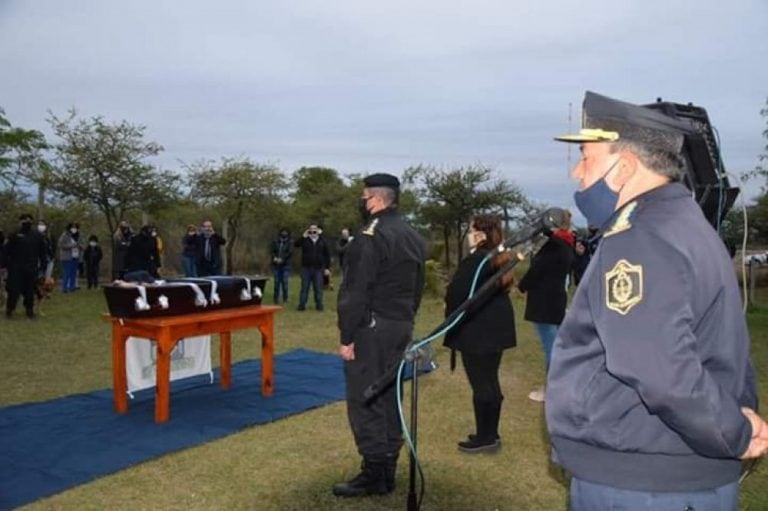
(371,227)
(622,222)
(623,286)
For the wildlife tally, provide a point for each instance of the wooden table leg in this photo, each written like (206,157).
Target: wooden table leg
(267,353)
(119,379)
(163,382)
(225,359)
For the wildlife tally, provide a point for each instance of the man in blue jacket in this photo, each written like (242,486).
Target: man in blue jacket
(650,398)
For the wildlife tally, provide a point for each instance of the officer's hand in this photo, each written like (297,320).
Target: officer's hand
(758,445)
(347,351)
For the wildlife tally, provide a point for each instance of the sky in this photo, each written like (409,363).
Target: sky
(365,86)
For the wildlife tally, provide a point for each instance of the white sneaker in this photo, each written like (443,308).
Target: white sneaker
(537,395)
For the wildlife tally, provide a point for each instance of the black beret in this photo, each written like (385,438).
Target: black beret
(379,180)
(608,120)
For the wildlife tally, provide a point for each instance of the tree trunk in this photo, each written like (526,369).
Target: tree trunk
(230,234)
(459,241)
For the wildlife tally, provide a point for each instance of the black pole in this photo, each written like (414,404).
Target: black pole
(412,502)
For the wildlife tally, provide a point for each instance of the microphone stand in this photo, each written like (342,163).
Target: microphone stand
(415,355)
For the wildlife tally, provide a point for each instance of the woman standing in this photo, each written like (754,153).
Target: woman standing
(70,251)
(545,287)
(487,329)
(189,251)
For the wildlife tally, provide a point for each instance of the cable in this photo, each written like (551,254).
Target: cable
(398,383)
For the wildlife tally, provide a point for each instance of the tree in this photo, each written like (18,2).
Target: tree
(236,187)
(452,197)
(103,164)
(20,153)
(322,197)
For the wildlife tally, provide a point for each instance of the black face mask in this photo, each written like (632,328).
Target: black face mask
(283,235)
(26,226)
(362,206)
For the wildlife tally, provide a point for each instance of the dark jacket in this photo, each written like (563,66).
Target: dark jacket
(25,251)
(488,326)
(92,256)
(282,248)
(142,254)
(544,282)
(209,263)
(651,365)
(189,245)
(383,274)
(314,255)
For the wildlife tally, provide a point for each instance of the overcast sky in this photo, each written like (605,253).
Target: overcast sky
(365,86)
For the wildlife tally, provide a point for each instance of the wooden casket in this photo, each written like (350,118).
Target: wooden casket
(182,296)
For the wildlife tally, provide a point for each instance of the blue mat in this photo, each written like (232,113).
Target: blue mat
(48,447)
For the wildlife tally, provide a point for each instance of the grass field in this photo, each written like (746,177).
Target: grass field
(292,463)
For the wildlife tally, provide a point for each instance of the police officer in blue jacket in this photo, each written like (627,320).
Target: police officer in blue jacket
(650,398)
(379,296)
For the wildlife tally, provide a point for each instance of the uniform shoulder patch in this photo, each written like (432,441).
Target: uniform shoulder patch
(369,231)
(623,221)
(623,286)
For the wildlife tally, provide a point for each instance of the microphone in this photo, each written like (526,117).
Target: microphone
(551,219)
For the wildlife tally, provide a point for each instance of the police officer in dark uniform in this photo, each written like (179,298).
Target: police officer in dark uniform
(651,397)
(380,294)
(25,255)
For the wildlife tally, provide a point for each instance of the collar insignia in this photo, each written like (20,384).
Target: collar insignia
(622,222)
(371,227)
(623,286)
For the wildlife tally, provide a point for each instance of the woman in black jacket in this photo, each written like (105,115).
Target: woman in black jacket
(487,329)
(545,287)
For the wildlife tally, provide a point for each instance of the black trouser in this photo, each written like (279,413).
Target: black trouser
(92,275)
(375,424)
(21,283)
(483,373)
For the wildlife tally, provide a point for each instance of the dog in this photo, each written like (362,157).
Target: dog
(43,290)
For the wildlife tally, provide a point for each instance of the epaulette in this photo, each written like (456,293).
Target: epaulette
(623,221)
(371,227)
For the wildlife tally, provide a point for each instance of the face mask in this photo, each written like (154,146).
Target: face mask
(283,235)
(154,234)
(92,243)
(73,230)
(362,206)
(41,228)
(26,226)
(597,202)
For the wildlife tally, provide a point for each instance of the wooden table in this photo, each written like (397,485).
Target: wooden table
(167,331)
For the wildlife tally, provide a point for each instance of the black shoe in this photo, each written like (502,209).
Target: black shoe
(390,471)
(473,437)
(476,446)
(371,480)
(300,308)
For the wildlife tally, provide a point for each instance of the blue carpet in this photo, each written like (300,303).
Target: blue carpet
(48,447)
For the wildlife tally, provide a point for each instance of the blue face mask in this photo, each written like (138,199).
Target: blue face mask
(597,202)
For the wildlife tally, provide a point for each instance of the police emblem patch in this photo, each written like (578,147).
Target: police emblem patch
(623,286)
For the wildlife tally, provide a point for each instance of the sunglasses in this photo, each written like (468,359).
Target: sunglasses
(312,232)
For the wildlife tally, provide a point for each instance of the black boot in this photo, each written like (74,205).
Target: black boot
(372,480)
(487,437)
(391,470)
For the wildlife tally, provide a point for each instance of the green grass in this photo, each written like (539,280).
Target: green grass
(292,463)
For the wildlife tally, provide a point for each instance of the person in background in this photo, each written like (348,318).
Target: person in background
(315,263)
(377,303)
(92,259)
(487,329)
(281,251)
(42,228)
(544,285)
(651,394)
(158,262)
(71,249)
(189,251)
(142,253)
(122,243)
(209,245)
(341,245)
(25,259)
